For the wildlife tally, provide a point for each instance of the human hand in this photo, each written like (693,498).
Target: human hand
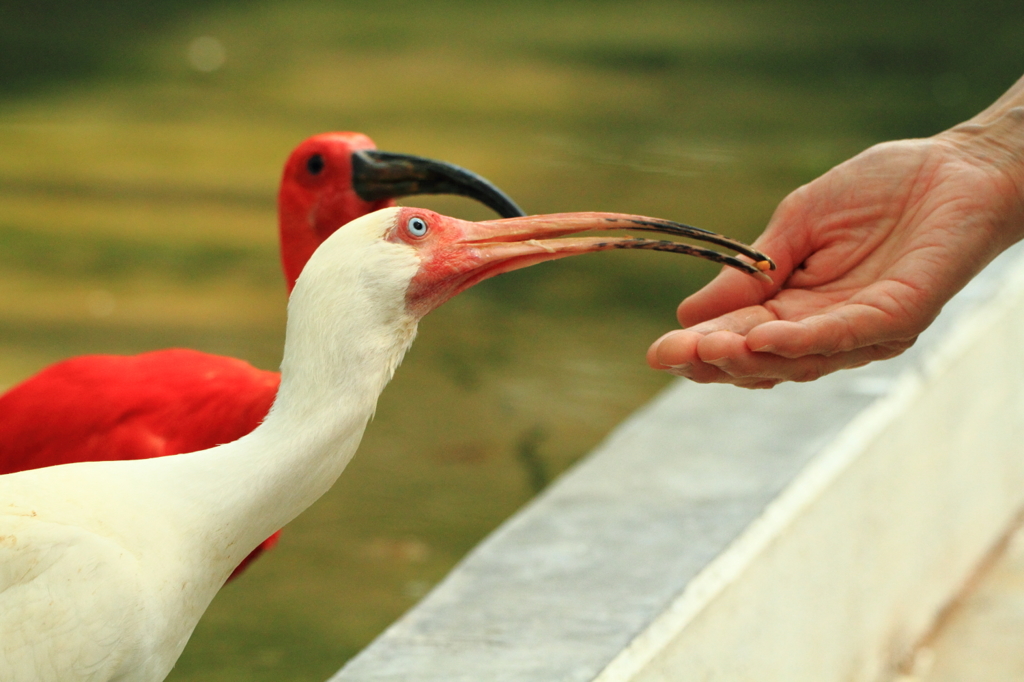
(867,255)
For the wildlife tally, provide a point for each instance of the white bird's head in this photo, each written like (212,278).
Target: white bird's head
(368,285)
(424,258)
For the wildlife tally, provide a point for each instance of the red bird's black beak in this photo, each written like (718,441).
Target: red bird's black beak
(384,175)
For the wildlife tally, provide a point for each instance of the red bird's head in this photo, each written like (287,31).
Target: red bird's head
(334,178)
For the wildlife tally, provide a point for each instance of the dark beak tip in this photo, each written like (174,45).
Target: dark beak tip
(378,175)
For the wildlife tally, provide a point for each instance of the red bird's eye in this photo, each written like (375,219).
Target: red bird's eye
(315,164)
(417,227)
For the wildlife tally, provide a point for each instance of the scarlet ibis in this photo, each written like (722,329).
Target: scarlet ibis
(106,567)
(105,407)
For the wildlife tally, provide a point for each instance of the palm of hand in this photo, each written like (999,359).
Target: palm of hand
(867,256)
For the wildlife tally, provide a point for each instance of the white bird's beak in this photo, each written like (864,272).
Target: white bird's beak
(465,253)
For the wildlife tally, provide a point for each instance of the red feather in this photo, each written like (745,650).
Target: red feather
(109,407)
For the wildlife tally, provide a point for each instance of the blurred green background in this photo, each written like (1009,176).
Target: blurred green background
(140,148)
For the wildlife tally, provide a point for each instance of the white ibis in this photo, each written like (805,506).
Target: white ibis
(106,567)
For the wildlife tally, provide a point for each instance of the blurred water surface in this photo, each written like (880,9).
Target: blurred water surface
(140,148)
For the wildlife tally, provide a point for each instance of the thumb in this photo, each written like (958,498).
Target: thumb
(783,240)
(728,291)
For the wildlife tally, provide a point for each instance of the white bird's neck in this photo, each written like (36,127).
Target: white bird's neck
(348,330)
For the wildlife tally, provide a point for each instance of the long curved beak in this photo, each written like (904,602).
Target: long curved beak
(519,236)
(480,250)
(383,175)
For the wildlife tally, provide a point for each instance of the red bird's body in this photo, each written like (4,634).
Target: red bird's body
(111,407)
(114,407)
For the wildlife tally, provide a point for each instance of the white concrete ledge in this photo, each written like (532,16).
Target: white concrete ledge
(810,532)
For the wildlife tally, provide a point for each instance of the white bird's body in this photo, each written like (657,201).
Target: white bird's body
(106,567)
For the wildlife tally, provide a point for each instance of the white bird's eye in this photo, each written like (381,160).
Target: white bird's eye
(417,227)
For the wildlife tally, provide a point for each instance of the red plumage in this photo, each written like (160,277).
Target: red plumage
(111,407)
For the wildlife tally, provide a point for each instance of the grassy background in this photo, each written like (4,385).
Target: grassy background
(137,212)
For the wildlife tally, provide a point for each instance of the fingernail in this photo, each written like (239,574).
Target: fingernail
(652,354)
(678,370)
(766,348)
(718,362)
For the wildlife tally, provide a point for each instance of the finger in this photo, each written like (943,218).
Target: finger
(785,240)
(739,321)
(756,383)
(702,373)
(679,347)
(722,294)
(673,350)
(745,366)
(680,359)
(843,329)
(676,353)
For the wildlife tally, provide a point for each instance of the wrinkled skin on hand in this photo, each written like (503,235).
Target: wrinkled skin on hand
(867,256)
